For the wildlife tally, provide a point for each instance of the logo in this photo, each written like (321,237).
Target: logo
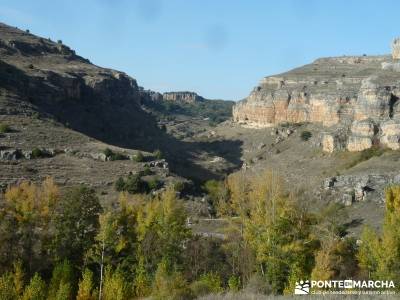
(348,286)
(302,287)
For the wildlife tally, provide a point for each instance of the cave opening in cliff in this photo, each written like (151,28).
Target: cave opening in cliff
(392,102)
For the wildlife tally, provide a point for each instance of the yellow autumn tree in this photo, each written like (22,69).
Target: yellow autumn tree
(275,226)
(379,255)
(25,220)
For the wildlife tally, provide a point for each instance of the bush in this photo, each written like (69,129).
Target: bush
(209,283)
(179,186)
(158,154)
(37,153)
(306,135)
(4,128)
(134,184)
(234,283)
(138,157)
(110,155)
(108,152)
(147,171)
(154,184)
(120,184)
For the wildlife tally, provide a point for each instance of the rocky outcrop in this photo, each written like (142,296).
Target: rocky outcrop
(186,97)
(362,133)
(391,134)
(38,75)
(355,188)
(352,94)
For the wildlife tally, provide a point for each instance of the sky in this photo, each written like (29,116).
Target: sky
(220,49)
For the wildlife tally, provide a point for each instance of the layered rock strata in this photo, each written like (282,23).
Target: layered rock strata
(356,94)
(187,97)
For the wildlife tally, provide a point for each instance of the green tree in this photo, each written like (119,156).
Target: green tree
(162,230)
(120,184)
(61,281)
(116,241)
(76,224)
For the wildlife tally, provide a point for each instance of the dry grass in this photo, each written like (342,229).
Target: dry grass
(251,296)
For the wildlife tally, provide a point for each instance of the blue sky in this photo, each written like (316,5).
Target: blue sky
(217,48)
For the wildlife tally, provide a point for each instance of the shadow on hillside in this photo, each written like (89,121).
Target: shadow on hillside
(120,123)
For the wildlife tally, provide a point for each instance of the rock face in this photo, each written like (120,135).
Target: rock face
(353,94)
(41,76)
(186,97)
(356,188)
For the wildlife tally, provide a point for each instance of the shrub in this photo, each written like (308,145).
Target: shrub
(147,171)
(110,155)
(158,154)
(209,283)
(108,152)
(179,186)
(118,156)
(120,184)
(4,128)
(154,184)
(138,157)
(234,283)
(306,135)
(134,184)
(37,153)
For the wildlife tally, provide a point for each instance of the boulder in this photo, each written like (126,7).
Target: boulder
(358,143)
(391,134)
(10,154)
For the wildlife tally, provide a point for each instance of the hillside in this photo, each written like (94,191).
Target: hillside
(53,100)
(109,190)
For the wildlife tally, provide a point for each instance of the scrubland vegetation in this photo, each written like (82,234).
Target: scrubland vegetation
(65,245)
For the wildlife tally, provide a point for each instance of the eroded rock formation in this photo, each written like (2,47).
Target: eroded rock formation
(187,97)
(357,94)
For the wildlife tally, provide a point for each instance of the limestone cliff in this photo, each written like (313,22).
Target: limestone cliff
(42,77)
(186,97)
(357,95)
